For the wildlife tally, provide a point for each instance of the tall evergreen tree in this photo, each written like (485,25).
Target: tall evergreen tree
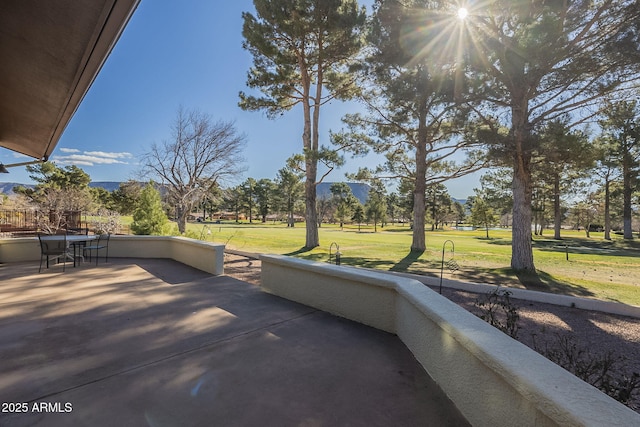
(290,188)
(233,200)
(438,204)
(563,157)
(608,174)
(622,127)
(392,206)
(126,196)
(414,119)
(301,50)
(265,197)
(376,206)
(498,193)
(482,214)
(249,196)
(358,215)
(537,61)
(343,200)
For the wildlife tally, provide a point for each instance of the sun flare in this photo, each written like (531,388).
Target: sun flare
(462,13)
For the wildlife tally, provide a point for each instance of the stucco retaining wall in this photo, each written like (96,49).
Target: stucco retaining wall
(204,256)
(493,379)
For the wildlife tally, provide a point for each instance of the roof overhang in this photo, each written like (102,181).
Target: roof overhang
(50,53)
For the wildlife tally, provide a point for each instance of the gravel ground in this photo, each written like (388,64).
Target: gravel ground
(541,325)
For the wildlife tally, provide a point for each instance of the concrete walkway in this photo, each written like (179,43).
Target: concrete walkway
(156,343)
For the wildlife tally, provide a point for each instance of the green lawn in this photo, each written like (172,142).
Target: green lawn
(596,268)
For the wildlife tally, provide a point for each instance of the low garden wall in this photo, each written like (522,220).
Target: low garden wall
(491,378)
(204,256)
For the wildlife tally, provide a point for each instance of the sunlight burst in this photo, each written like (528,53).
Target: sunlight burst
(462,13)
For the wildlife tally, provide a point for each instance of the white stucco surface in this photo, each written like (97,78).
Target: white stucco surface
(204,256)
(493,379)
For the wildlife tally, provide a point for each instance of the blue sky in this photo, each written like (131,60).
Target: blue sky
(188,54)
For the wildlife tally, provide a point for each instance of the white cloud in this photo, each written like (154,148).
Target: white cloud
(109,155)
(91,158)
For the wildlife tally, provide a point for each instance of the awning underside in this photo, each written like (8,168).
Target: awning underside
(50,53)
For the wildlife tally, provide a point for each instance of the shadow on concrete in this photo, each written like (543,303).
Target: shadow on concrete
(125,347)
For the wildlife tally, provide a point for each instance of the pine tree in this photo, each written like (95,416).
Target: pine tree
(358,215)
(301,53)
(149,217)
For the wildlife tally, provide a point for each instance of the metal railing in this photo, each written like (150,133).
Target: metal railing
(28,222)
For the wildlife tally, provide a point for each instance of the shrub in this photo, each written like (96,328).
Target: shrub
(149,217)
(498,310)
(106,221)
(605,371)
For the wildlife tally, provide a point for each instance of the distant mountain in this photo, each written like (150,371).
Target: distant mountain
(107,185)
(7,187)
(361,191)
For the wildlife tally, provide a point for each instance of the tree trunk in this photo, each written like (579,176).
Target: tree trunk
(607,210)
(556,208)
(521,248)
(627,192)
(311,169)
(521,237)
(434,221)
(418,242)
(311,217)
(182,219)
(290,220)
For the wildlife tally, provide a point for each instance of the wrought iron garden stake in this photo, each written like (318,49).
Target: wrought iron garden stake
(452,264)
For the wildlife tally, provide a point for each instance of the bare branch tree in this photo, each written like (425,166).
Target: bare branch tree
(200,155)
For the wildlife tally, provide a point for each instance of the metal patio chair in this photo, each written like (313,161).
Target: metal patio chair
(53,250)
(102,242)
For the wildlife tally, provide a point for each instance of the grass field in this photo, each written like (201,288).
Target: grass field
(596,268)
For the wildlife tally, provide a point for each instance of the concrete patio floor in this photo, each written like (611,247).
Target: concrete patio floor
(138,342)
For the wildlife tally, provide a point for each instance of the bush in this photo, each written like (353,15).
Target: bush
(606,372)
(106,221)
(497,309)
(149,217)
